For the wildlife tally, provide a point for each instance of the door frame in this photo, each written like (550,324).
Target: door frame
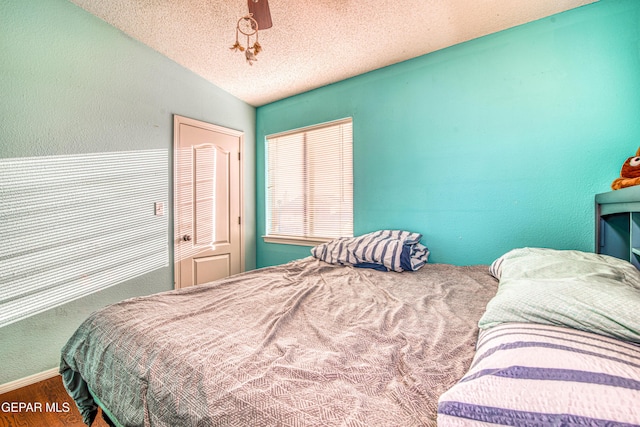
(177,121)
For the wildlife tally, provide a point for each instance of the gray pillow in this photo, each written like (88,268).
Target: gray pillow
(580,290)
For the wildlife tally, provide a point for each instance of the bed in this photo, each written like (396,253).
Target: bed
(307,343)
(539,337)
(559,345)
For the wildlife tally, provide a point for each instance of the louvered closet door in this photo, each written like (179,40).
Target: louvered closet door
(207,202)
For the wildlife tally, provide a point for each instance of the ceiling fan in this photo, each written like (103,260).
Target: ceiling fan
(259,10)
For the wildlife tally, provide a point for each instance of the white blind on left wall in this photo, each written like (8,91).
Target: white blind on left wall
(73,225)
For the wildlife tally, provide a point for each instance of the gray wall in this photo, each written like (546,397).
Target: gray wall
(71,84)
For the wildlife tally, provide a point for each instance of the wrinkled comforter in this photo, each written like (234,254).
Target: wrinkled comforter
(302,344)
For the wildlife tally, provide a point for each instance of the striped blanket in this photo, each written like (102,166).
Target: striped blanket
(534,375)
(394,250)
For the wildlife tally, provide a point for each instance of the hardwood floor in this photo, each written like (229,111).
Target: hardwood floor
(44,404)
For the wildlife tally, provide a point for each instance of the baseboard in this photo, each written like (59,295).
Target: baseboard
(31,379)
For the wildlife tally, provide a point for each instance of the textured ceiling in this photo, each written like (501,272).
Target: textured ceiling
(312,42)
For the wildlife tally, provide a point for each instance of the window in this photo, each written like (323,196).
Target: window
(310,184)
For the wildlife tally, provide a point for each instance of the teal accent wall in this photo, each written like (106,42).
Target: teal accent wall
(72,84)
(496,143)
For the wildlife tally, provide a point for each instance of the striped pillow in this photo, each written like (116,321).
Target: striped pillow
(540,375)
(395,250)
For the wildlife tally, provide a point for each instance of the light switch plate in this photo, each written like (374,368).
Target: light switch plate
(158,208)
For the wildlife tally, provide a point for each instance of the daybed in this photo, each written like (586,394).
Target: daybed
(311,343)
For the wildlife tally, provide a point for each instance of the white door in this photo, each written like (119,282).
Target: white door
(207,190)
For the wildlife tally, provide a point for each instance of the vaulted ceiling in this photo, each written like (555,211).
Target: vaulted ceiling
(312,42)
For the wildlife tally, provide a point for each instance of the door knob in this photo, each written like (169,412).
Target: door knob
(186,238)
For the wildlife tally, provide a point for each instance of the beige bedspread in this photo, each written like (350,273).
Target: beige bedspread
(302,344)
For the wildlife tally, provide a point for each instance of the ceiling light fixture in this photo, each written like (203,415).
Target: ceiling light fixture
(259,17)
(249,27)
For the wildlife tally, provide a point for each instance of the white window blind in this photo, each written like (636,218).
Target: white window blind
(310,182)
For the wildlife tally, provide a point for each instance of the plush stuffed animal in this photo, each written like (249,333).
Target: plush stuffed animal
(629,174)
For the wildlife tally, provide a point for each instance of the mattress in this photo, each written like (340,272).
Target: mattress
(302,344)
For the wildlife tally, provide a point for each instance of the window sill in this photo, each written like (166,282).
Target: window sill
(292,240)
